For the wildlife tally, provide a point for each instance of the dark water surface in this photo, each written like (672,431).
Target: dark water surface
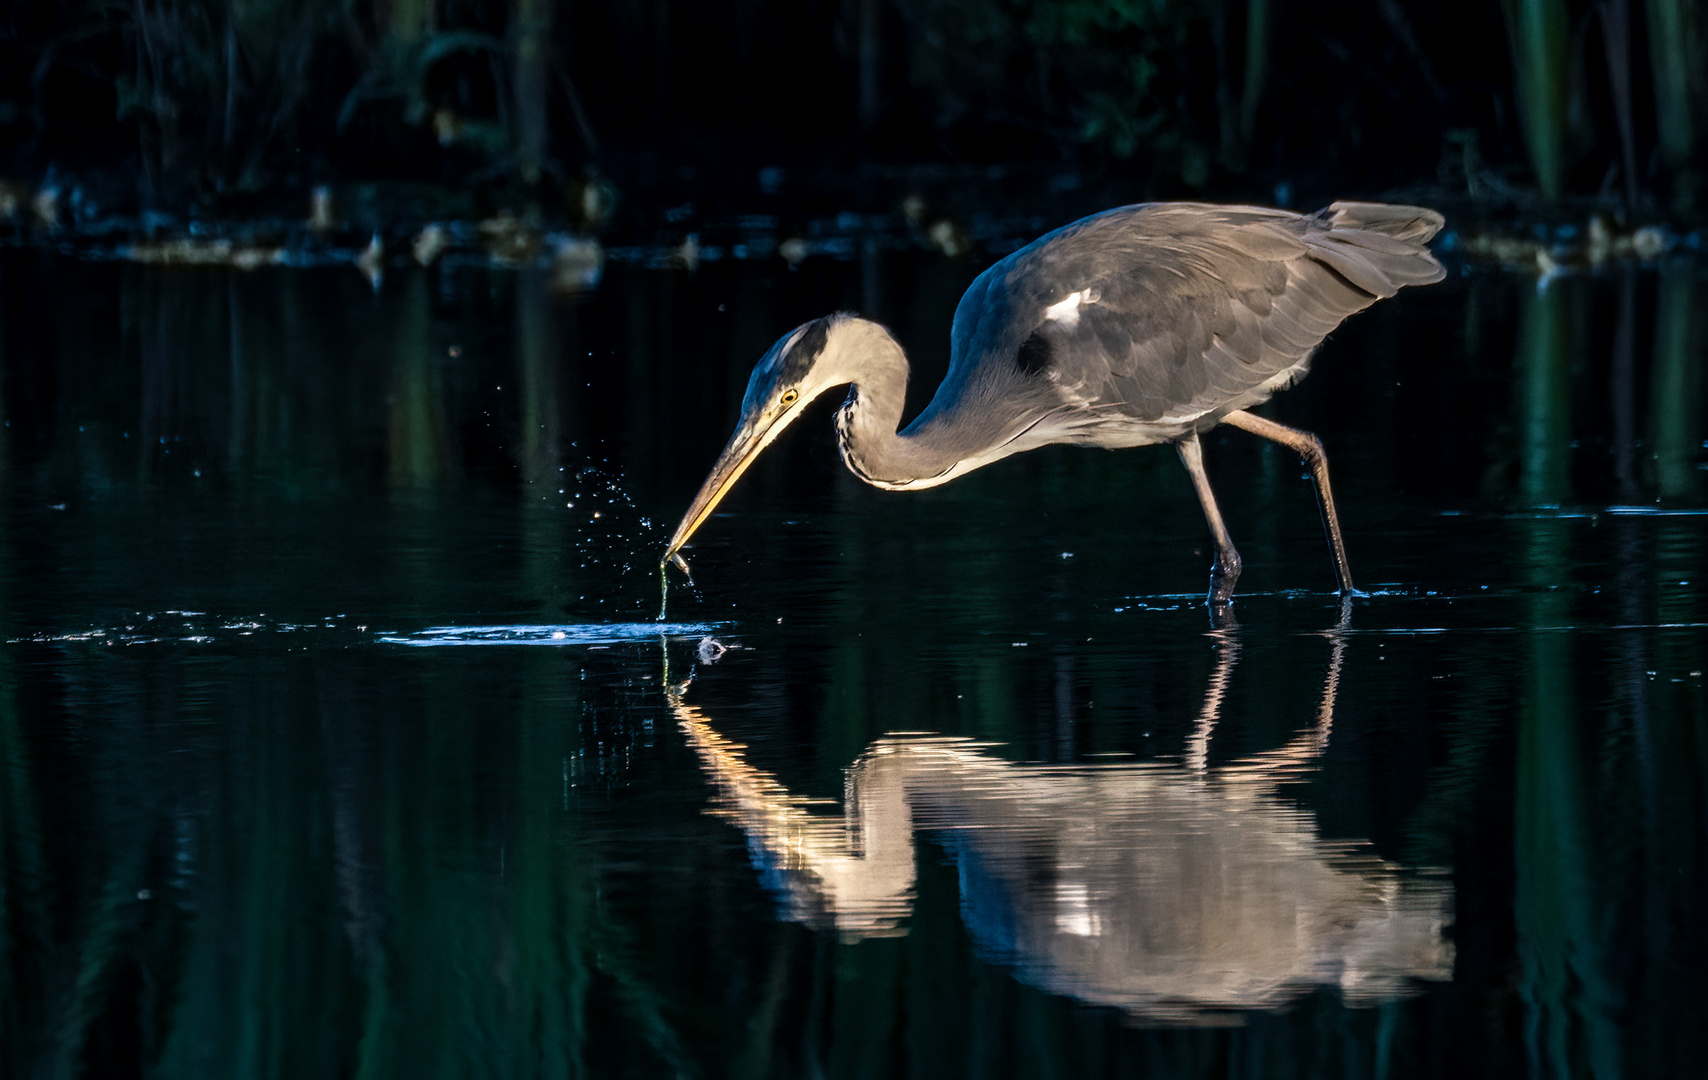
(954,783)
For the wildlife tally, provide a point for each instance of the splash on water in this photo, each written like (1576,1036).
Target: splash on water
(185,627)
(574,634)
(199,628)
(664,580)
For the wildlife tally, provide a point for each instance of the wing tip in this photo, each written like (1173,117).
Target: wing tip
(1416,224)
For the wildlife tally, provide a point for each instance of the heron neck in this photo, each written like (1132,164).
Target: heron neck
(866,424)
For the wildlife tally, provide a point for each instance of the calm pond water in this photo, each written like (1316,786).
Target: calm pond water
(335,737)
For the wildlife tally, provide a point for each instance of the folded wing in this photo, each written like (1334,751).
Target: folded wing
(1175,314)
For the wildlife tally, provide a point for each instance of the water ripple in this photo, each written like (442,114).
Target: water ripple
(528,634)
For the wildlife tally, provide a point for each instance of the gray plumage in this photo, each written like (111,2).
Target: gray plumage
(1200,310)
(1139,325)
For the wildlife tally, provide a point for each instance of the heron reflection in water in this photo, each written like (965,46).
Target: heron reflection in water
(1177,892)
(1140,325)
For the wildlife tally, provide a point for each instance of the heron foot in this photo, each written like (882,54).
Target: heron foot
(1224,572)
(1223,576)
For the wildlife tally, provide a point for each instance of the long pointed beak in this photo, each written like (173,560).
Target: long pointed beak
(744,447)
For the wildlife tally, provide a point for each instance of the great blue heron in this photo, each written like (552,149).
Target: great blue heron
(1139,325)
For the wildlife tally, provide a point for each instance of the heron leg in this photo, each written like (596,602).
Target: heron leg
(1225,572)
(1310,448)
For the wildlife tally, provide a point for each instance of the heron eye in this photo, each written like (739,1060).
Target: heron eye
(790,397)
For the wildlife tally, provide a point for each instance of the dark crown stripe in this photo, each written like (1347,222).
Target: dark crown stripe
(806,348)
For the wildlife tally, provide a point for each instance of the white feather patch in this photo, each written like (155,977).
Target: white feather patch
(1066,310)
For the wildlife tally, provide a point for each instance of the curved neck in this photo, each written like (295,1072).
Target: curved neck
(872,361)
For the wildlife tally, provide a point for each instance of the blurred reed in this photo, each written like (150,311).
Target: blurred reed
(1538,31)
(214,96)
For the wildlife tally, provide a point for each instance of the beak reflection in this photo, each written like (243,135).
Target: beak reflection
(1174,891)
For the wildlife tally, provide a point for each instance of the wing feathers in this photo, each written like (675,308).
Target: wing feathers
(1413,223)
(1200,309)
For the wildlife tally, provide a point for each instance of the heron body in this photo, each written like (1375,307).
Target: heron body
(1139,325)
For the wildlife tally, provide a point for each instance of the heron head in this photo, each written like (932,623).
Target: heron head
(798,368)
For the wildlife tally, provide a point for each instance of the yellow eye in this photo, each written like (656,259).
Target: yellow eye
(790,397)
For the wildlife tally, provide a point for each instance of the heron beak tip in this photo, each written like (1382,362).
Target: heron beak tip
(743,447)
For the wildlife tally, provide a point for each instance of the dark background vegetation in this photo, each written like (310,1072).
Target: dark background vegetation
(166,103)
(242,833)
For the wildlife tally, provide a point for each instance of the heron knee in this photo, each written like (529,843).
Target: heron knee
(1310,448)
